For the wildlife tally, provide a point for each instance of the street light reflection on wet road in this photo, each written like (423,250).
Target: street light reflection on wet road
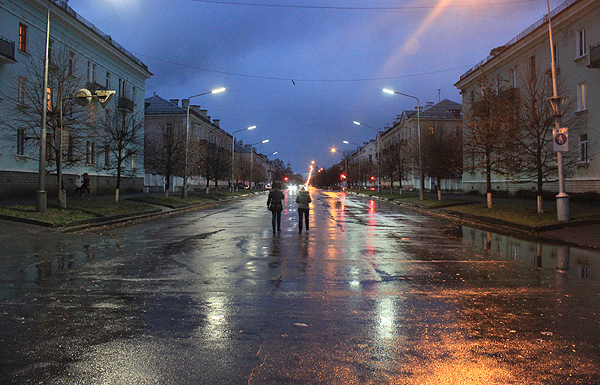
(372,293)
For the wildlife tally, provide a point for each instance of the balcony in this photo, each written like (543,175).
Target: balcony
(125,104)
(511,94)
(7,51)
(594,56)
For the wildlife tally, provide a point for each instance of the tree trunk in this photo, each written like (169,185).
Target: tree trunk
(116,195)
(488,181)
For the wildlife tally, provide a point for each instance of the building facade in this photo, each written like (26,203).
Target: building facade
(525,60)
(80,56)
(444,116)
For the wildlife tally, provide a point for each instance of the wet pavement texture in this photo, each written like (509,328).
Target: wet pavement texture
(371,294)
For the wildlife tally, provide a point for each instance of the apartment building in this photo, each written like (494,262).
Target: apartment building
(80,56)
(576,46)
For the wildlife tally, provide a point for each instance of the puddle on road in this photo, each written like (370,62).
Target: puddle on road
(573,261)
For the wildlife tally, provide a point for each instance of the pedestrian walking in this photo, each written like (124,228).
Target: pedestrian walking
(303,199)
(79,186)
(86,185)
(275,204)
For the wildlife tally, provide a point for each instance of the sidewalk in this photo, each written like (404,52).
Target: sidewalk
(580,234)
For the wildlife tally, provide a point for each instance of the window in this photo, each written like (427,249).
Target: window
(22,90)
(23,38)
(71,149)
(49,99)
(122,88)
(431,130)
(21,141)
(583,148)
(91,72)
(89,152)
(556,55)
(532,69)
(107,80)
(581,97)
(581,47)
(168,129)
(134,94)
(513,77)
(71,62)
(106,156)
(50,51)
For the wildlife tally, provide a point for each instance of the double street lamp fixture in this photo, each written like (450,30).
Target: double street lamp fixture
(233,153)
(187,134)
(421,173)
(378,153)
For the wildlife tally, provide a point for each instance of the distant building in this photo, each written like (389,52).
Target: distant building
(163,116)
(576,38)
(445,115)
(93,60)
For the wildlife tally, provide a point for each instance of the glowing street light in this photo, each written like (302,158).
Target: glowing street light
(421,173)
(233,151)
(187,134)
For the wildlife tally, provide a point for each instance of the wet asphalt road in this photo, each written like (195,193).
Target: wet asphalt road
(372,294)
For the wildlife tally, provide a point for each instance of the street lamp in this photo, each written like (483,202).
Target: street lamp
(359,149)
(562,199)
(233,151)
(421,174)
(41,194)
(187,133)
(252,157)
(378,153)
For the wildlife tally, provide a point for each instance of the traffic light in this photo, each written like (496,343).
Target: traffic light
(372,178)
(285,178)
(342,176)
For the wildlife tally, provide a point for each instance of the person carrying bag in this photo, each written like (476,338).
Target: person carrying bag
(275,204)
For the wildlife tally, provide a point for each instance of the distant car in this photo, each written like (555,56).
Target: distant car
(241,186)
(268,186)
(337,188)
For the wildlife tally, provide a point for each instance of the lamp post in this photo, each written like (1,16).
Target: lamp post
(187,134)
(378,153)
(421,174)
(233,151)
(562,199)
(41,194)
(252,157)
(359,150)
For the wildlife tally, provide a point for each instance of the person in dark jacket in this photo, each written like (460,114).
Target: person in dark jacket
(303,199)
(275,204)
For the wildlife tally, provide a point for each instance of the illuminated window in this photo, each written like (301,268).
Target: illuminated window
(23,38)
(581,96)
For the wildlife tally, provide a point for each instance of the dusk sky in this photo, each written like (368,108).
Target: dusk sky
(302,71)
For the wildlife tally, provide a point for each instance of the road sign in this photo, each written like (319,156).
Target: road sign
(561,139)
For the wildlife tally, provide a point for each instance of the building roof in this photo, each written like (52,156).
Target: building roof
(446,109)
(158,105)
(65,7)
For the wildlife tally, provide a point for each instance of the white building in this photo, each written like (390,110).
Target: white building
(92,60)
(576,38)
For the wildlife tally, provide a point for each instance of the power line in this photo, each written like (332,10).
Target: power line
(293,80)
(345,8)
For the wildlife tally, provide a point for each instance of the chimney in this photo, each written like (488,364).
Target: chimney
(429,104)
(195,108)
(185,103)
(174,101)
(204,113)
(217,122)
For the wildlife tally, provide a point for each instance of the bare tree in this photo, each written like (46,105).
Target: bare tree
(535,121)
(442,154)
(163,152)
(489,132)
(22,108)
(214,163)
(395,162)
(123,137)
